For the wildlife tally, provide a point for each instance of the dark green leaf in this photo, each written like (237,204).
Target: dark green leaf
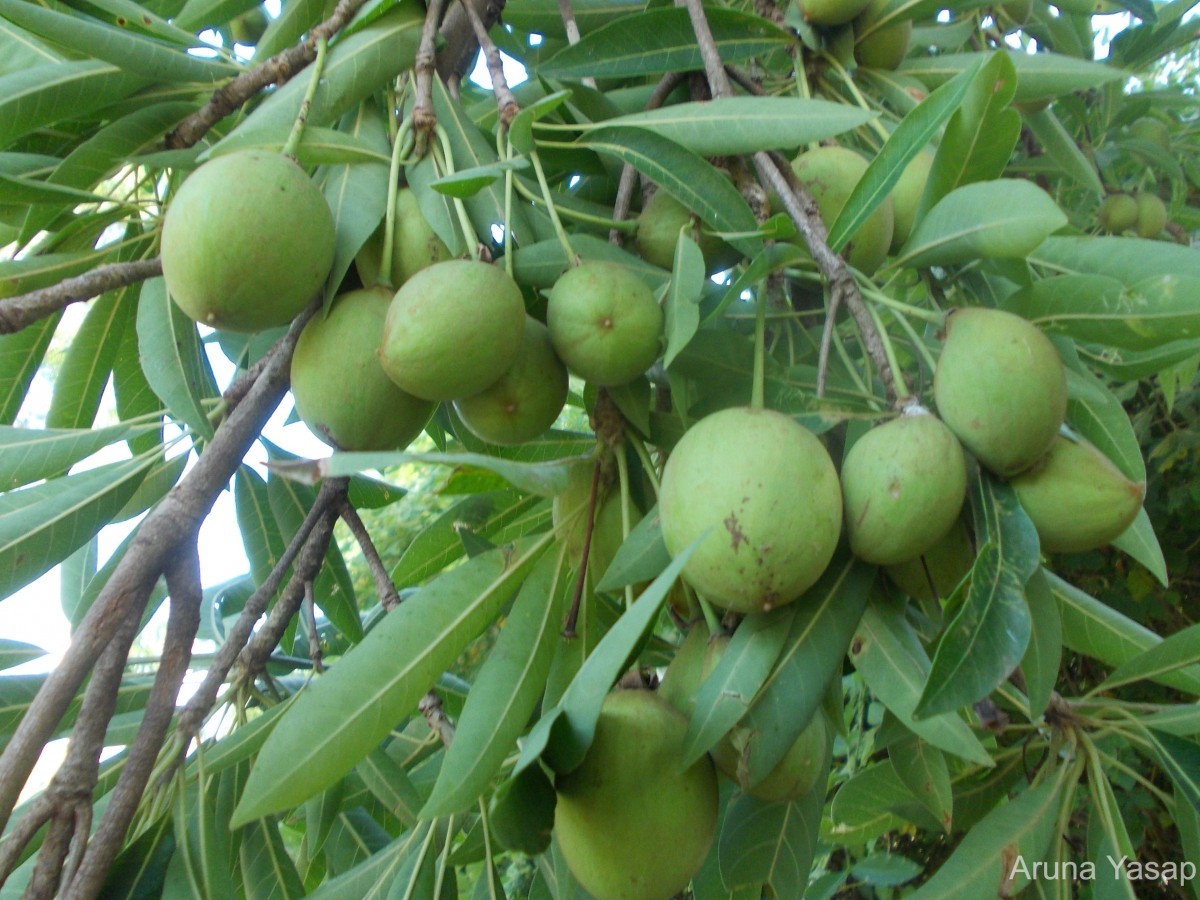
(1061,147)
(268,872)
(14,653)
(771,843)
(922,767)
(682,307)
(1044,654)
(84,373)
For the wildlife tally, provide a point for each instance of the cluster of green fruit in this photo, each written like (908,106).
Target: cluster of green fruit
(1143,212)
(877,44)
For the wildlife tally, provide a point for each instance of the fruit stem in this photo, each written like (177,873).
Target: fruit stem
(841,72)
(625,226)
(760,350)
(572,258)
(925,315)
(502,137)
(443,157)
(623,475)
(901,389)
(840,348)
(403,143)
(293,141)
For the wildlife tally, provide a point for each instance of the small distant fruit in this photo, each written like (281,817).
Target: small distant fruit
(1117,213)
(1151,215)
(1152,130)
(830,12)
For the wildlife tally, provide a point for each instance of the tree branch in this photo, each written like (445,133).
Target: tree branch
(25,309)
(423,116)
(458,53)
(176,519)
(506,103)
(384,586)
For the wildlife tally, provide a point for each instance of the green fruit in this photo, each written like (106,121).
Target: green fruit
(768,491)
(1014,14)
(1077,499)
(906,197)
(247,242)
(1151,216)
(1152,130)
(526,399)
(342,393)
(1117,213)
(521,812)
(880,48)
(604,323)
(415,246)
(452,330)
(249,27)
(936,572)
(831,174)
(659,224)
(630,824)
(1001,387)
(903,483)
(569,517)
(830,12)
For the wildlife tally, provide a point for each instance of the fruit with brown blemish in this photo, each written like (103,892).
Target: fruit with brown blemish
(1077,499)
(1001,388)
(604,323)
(765,490)
(903,486)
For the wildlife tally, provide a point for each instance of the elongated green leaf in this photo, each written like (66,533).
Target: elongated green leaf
(1099,631)
(683,174)
(726,694)
(1061,147)
(1043,656)
(1004,219)
(922,767)
(733,125)
(40,96)
(1039,75)
(1129,260)
(662,40)
(506,691)
(914,132)
(1180,759)
(261,535)
(20,50)
(318,145)
(984,862)
(682,307)
(20,356)
(641,557)
(14,653)
(268,872)
(1140,541)
(1101,418)
(342,716)
(771,843)
(30,454)
(85,371)
(540,264)
(43,525)
(391,785)
(987,637)
(129,51)
(826,617)
(245,741)
(889,656)
(373,878)
(172,358)
(1177,651)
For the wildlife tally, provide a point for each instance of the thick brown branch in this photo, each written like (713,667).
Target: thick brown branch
(186,593)
(175,520)
(280,67)
(25,309)
(423,116)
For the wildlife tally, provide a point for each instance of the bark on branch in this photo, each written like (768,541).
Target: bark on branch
(25,309)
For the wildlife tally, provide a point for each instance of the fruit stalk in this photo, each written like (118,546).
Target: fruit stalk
(297,132)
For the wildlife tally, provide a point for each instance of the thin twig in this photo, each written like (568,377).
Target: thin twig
(308,609)
(439,723)
(280,67)
(423,118)
(175,520)
(458,53)
(389,597)
(25,309)
(186,596)
(506,103)
(572,28)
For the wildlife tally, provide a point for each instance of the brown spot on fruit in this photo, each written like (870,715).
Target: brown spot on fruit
(735,531)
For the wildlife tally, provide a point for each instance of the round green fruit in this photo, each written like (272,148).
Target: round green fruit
(880,48)
(604,323)
(1151,215)
(630,824)
(906,197)
(659,224)
(768,491)
(247,242)
(1077,499)
(831,174)
(521,812)
(249,27)
(452,330)
(936,572)
(903,484)
(1001,387)
(526,399)
(1117,213)
(415,245)
(342,393)
(1152,130)
(830,12)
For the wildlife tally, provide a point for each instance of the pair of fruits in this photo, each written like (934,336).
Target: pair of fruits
(1143,212)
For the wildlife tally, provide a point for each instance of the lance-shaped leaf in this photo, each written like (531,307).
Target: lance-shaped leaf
(922,767)
(641,557)
(268,872)
(14,653)
(771,843)
(34,98)
(20,356)
(43,525)
(341,717)
(1043,656)
(1039,75)
(31,454)
(1177,651)
(89,360)
(1129,260)
(1140,541)
(1058,144)
(506,691)
(172,357)
(682,306)
(987,637)
(873,802)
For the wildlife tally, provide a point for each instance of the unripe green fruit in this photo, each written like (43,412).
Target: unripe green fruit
(1152,130)
(1001,387)
(342,393)
(884,48)
(1117,213)
(903,483)
(569,512)
(521,812)
(526,399)
(247,242)
(452,330)
(630,824)
(415,245)
(830,12)
(768,490)
(906,197)
(249,27)
(946,563)
(659,224)
(1077,499)
(1012,15)
(1151,215)
(604,323)
(831,174)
